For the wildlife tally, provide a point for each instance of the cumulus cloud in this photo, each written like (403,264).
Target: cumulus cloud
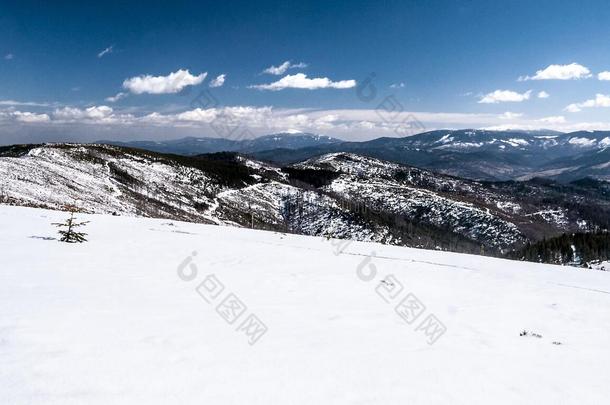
(196,115)
(105,51)
(504,96)
(172,83)
(30,117)
(604,75)
(92,123)
(554,120)
(301,81)
(116,97)
(73,114)
(572,71)
(225,117)
(397,85)
(543,94)
(600,100)
(283,68)
(510,115)
(218,81)
(9,56)
(575,107)
(258,119)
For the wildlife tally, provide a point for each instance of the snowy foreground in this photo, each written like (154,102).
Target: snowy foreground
(122,319)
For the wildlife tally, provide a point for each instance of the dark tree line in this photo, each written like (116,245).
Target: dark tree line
(576,248)
(314,177)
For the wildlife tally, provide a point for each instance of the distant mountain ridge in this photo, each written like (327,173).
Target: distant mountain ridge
(474,154)
(481,154)
(191,146)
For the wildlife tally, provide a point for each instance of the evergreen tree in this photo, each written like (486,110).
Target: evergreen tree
(69,234)
(577,248)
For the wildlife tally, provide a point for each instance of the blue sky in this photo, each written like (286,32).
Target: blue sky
(443,64)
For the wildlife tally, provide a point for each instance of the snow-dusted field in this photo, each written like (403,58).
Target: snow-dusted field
(119,320)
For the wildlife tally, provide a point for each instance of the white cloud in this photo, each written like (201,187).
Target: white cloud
(116,97)
(283,68)
(573,108)
(172,83)
(218,81)
(504,96)
(30,117)
(397,85)
(543,94)
(301,81)
(560,72)
(604,75)
(23,103)
(600,100)
(93,122)
(510,115)
(261,120)
(105,51)
(97,112)
(554,120)
(73,114)
(237,116)
(9,56)
(197,115)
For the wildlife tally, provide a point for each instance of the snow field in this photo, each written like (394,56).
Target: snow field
(110,321)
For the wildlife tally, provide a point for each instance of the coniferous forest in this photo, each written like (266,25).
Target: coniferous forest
(576,248)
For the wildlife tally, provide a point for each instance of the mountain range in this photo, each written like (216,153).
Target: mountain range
(472,154)
(191,146)
(340,195)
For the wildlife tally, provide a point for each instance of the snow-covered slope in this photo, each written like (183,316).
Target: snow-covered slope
(492,213)
(390,187)
(311,213)
(105,179)
(112,322)
(341,195)
(110,179)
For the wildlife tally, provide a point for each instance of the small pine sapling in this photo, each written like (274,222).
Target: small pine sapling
(69,234)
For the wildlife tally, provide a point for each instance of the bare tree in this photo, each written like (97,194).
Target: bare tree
(3,192)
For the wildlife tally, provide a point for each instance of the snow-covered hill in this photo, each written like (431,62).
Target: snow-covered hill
(338,195)
(494,214)
(119,181)
(391,187)
(104,179)
(122,319)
